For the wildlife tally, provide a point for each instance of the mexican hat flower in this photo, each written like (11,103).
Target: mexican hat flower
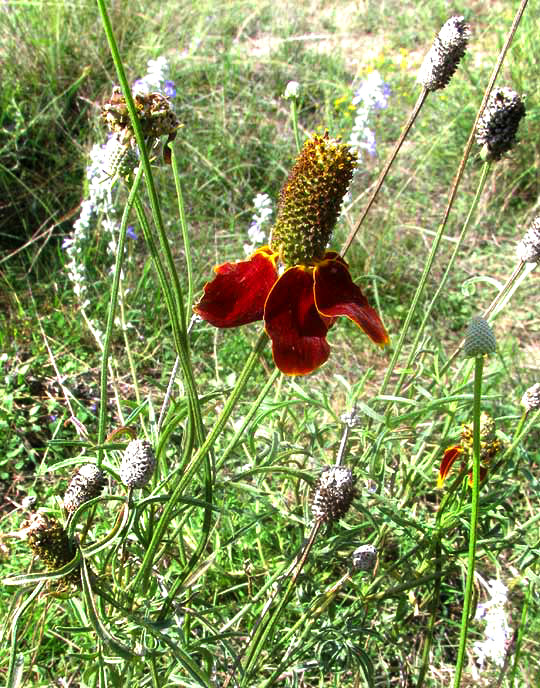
(489,447)
(295,285)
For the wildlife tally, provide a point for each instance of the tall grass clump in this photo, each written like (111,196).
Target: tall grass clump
(243,491)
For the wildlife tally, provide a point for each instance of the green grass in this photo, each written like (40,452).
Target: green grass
(231,62)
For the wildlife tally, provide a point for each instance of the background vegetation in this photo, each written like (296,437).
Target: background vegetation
(230,63)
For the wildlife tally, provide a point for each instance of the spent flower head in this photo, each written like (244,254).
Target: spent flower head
(333,494)
(292,90)
(531,399)
(497,127)
(443,57)
(528,249)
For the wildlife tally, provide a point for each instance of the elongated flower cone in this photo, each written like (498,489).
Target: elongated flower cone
(531,399)
(138,464)
(497,127)
(49,541)
(442,60)
(86,483)
(333,494)
(479,339)
(528,249)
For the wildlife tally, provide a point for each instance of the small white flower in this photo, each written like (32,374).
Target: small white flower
(497,631)
(292,90)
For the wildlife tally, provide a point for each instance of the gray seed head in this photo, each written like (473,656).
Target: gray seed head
(138,463)
(333,494)
(479,339)
(444,55)
(86,483)
(497,127)
(531,399)
(528,249)
(364,558)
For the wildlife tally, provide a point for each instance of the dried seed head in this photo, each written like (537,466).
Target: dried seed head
(479,339)
(121,157)
(310,201)
(444,55)
(497,127)
(528,249)
(85,484)
(48,540)
(531,399)
(333,494)
(364,558)
(138,463)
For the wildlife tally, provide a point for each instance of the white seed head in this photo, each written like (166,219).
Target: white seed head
(443,57)
(364,558)
(531,399)
(333,494)
(292,90)
(528,249)
(138,463)
(479,339)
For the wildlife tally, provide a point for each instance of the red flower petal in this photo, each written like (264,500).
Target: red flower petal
(481,476)
(237,294)
(450,455)
(336,294)
(297,330)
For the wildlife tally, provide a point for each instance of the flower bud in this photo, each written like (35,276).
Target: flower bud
(292,90)
(85,484)
(531,399)
(364,558)
(333,494)
(479,339)
(528,249)
(497,127)
(444,55)
(138,463)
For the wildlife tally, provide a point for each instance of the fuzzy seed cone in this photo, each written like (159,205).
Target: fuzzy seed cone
(497,127)
(479,339)
(528,249)
(333,494)
(531,399)
(310,201)
(85,484)
(364,558)
(138,463)
(444,55)
(49,541)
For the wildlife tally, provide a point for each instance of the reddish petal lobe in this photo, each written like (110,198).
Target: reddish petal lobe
(449,458)
(237,294)
(336,294)
(297,331)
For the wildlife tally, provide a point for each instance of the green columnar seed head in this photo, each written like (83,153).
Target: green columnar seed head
(333,494)
(497,127)
(528,249)
(48,540)
(138,464)
(531,399)
(85,484)
(310,201)
(479,339)
(443,57)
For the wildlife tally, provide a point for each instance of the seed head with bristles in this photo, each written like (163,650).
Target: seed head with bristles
(479,339)
(333,494)
(138,463)
(444,55)
(528,249)
(531,399)
(364,558)
(497,127)
(85,484)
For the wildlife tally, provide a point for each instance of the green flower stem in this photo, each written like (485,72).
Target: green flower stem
(521,634)
(481,183)
(201,453)
(382,176)
(179,325)
(102,422)
(428,641)
(294,119)
(185,234)
(478,370)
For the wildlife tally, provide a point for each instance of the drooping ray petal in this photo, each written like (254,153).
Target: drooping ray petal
(237,294)
(336,294)
(450,455)
(297,330)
